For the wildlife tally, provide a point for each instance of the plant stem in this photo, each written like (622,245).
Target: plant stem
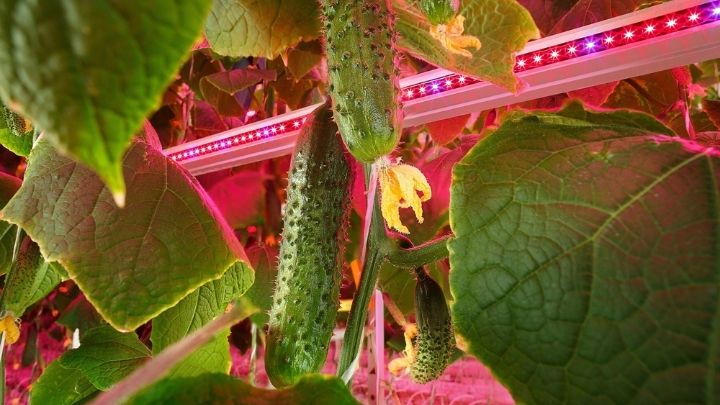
(375,252)
(156,368)
(419,256)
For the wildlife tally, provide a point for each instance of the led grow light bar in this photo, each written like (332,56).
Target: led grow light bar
(657,38)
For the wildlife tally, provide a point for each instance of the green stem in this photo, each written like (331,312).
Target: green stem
(376,250)
(421,255)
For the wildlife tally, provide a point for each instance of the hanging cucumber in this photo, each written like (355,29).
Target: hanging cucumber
(363,76)
(435,340)
(30,279)
(437,11)
(306,296)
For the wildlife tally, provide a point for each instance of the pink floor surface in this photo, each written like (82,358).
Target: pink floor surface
(465,382)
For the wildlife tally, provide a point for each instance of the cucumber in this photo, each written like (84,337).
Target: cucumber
(16,124)
(437,11)
(435,340)
(363,75)
(30,279)
(306,296)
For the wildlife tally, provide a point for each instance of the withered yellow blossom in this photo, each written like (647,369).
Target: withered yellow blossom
(399,365)
(451,36)
(9,325)
(399,187)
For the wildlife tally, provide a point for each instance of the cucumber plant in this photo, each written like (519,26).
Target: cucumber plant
(561,239)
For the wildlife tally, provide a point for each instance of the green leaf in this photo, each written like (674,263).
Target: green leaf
(259,297)
(81,315)
(61,386)
(503,27)
(9,185)
(223,389)
(196,310)
(30,279)
(131,263)
(106,356)
(586,259)
(264,28)
(88,72)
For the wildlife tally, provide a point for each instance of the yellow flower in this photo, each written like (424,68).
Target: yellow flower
(9,325)
(399,365)
(399,185)
(451,36)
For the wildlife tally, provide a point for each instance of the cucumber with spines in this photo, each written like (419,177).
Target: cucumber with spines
(437,11)
(15,123)
(306,296)
(363,75)
(435,340)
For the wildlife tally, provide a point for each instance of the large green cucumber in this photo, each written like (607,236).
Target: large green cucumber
(363,75)
(435,341)
(306,296)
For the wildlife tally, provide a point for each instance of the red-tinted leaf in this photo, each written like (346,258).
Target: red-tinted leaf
(709,139)
(233,81)
(682,75)
(586,12)
(240,197)
(439,174)
(359,199)
(655,93)
(219,89)
(445,131)
(206,120)
(596,95)
(712,108)
(546,13)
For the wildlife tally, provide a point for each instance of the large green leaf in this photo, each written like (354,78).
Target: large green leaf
(586,259)
(503,27)
(61,386)
(131,263)
(9,185)
(106,356)
(196,310)
(263,28)
(223,389)
(88,72)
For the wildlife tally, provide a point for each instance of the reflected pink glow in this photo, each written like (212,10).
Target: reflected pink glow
(580,47)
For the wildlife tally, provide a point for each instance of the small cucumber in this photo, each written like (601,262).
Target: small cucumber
(364,83)
(435,341)
(437,11)
(16,124)
(310,261)
(30,279)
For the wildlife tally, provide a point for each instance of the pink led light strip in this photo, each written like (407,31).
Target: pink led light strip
(596,43)
(629,34)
